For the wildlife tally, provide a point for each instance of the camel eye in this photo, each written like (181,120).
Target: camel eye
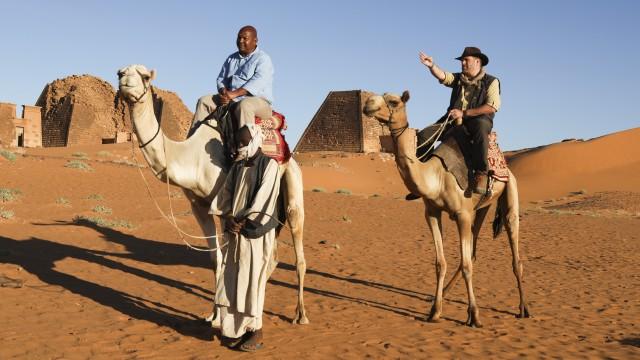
(120,74)
(394,103)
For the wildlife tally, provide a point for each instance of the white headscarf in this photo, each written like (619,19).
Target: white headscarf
(250,150)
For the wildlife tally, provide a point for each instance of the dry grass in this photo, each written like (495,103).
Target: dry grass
(77,164)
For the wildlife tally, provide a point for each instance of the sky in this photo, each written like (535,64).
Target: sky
(568,69)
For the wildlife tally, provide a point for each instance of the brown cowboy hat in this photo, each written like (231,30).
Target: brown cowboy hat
(474,51)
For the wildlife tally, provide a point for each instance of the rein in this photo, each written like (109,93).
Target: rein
(397,132)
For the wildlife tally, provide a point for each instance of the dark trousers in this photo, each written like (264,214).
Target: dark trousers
(479,129)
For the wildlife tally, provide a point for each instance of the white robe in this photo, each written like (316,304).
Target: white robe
(240,291)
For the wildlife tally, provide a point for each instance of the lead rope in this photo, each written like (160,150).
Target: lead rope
(172,220)
(437,135)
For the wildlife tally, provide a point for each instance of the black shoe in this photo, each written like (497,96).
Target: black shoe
(411,196)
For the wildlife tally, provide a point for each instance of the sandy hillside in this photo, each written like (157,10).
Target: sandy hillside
(90,269)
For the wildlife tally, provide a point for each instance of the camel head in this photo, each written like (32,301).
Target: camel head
(387,108)
(134,82)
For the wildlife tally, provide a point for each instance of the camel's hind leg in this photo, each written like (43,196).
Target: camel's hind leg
(510,207)
(477,225)
(294,205)
(434,220)
(205,220)
(463,220)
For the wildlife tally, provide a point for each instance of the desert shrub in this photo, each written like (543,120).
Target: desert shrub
(104,153)
(101,209)
(95,197)
(6,214)
(7,195)
(319,190)
(62,201)
(80,155)
(77,164)
(9,155)
(103,222)
(343,191)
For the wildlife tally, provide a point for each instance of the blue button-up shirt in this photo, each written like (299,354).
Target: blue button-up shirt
(253,72)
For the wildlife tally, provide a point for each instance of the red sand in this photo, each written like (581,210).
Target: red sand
(89,291)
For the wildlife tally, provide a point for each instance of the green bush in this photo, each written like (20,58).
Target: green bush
(77,164)
(103,222)
(8,155)
(101,209)
(95,197)
(7,195)
(104,153)
(62,201)
(6,214)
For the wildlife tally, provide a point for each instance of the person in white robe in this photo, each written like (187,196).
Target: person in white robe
(247,205)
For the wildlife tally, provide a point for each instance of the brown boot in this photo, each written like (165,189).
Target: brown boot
(480,182)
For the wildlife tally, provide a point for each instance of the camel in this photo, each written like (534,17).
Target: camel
(440,192)
(197,166)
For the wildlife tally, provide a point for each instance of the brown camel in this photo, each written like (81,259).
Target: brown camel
(440,192)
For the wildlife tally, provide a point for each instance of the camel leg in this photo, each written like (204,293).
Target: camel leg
(208,226)
(433,217)
(466,250)
(512,225)
(477,225)
(295,215)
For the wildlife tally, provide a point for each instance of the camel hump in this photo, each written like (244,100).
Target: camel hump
(455,154)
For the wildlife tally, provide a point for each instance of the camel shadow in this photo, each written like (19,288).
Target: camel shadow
(398,310)
(39,256)
(373,284)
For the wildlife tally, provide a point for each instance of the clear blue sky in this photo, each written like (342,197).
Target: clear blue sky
(568,69)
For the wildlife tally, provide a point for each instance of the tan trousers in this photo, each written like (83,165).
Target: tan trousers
(246,110)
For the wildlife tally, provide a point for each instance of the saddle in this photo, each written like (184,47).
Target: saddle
(455,154)
(274,144)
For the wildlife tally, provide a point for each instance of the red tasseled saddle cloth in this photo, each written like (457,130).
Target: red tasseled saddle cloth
(273,143)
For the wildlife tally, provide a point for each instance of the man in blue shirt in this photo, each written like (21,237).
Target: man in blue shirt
(246,78)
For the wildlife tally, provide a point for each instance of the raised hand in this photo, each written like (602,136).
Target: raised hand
(426,60)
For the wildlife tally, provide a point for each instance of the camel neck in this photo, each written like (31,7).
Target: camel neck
(149,133)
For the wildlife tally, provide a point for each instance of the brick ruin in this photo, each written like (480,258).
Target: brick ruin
(340,125)
(24,131)
(86,110)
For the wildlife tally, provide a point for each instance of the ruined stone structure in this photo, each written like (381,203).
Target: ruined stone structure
(340,125)
(85,110)
(25,131)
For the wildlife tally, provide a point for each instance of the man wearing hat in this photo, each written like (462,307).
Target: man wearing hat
(475,98)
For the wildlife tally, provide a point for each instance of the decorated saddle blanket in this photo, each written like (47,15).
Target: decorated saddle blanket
(273,143)
(455,154)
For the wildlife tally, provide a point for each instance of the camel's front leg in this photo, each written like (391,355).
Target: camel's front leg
(208,226)
(433,217)
(512,225)
(463,221)
(295,215)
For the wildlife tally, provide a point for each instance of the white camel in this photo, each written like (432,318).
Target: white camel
(196,165)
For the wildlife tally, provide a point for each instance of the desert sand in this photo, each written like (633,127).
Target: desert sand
(90,269)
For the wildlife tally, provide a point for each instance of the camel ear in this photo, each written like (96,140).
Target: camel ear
(153,75)
(405,96)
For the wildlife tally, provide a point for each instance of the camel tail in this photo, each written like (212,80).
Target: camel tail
(498,220)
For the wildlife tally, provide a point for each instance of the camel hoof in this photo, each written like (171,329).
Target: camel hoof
(434,319)
(524,313)
(301,320)
(473,321)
